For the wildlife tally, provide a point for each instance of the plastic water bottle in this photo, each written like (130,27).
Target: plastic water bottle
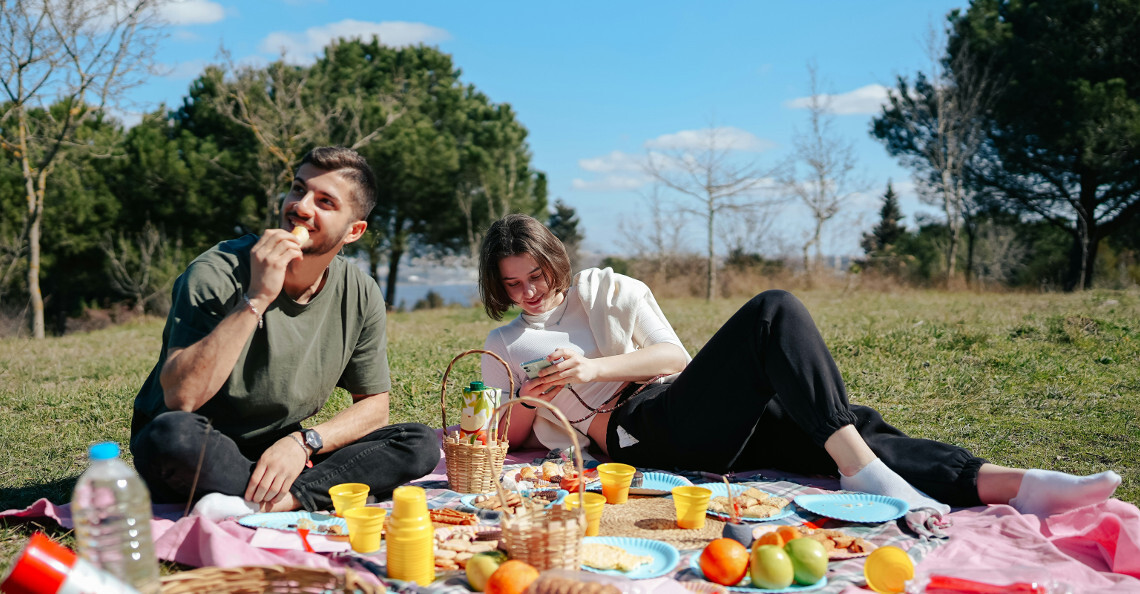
(111,511)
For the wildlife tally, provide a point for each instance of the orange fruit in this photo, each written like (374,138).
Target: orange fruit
(512,577)
(769,538)
(788,533)
(724,561)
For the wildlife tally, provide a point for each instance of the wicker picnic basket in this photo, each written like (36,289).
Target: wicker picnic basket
(474,467)
(270,578)
(549,538)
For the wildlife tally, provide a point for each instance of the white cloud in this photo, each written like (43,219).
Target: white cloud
(302,48)
(191,12)
(862,101)
(610,183)
(724,137)
(615,161)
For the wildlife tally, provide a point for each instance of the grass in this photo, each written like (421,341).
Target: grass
(1041,380)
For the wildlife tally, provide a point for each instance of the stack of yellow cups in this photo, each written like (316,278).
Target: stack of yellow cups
(411,555)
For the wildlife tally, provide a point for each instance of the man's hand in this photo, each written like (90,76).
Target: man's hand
(268,260)
(275,472)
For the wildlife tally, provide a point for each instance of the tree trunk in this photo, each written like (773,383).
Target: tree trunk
(710,278)
(34,273)
(971,241)
(1084,248)
(393,270)
(1090,260)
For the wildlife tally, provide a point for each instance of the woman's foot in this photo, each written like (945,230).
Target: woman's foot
(877,479)
(1047,492)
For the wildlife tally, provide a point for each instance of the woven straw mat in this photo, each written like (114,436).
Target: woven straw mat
(655,518)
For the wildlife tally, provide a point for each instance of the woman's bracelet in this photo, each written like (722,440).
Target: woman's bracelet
(518,394)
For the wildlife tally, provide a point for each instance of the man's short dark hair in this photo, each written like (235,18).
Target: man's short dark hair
(354,168)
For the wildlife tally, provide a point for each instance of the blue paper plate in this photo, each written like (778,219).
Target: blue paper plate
(665,556)
(288,521)
(719,490)
(469,500)
(653,483)
(746,584)
(854,507)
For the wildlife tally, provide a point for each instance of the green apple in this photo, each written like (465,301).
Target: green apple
(480,567)
(771,568)
(809,560)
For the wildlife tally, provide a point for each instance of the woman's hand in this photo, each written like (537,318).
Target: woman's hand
(574,368)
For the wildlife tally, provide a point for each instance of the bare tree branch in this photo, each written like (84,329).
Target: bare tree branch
(706,173)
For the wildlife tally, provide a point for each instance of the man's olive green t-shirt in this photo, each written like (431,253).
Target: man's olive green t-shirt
(288,368)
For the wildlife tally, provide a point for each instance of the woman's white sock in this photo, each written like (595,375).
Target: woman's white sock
(877,479)
(1047,492)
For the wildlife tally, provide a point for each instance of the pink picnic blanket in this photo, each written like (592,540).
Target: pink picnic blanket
(1095,548)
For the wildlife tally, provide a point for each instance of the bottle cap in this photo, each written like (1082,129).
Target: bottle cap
(887,570)
(476,386)
(43,567)
(104,451)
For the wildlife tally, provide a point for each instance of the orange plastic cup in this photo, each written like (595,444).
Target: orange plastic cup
(595,505)
(691,504)
(888,569)
(616,478)
(346,496)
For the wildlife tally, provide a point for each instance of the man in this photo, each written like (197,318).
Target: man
(260,331)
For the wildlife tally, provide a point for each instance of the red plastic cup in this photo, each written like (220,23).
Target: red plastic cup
(46,567)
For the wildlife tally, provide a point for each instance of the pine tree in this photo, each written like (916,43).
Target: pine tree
(563,223)
(879,243)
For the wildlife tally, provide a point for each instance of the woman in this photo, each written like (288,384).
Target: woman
(764,391)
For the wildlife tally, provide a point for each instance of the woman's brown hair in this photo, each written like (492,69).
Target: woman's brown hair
(513,235)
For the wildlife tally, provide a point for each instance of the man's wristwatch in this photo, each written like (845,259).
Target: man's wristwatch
(313,440)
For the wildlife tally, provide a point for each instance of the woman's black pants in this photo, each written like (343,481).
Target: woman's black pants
(764,392)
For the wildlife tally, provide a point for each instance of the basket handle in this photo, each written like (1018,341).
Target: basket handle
(573,439)
(495,415)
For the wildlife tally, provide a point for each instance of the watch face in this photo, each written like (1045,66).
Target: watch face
(313,440)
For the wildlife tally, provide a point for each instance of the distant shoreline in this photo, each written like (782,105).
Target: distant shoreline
(453,293)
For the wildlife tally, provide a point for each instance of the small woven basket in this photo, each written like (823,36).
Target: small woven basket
(474,467)
(270,578)
(549,538)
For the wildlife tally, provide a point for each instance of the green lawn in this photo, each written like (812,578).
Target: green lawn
(1041,380)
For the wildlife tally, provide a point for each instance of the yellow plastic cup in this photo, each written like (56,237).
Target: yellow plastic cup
(411,555)
(616,478)
(346,496)
(691,504)
(595,504)
(888,569)
(365,525)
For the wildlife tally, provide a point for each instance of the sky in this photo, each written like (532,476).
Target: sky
(601,84)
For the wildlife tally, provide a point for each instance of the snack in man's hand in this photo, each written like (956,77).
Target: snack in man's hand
(301,233)
(604,556)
